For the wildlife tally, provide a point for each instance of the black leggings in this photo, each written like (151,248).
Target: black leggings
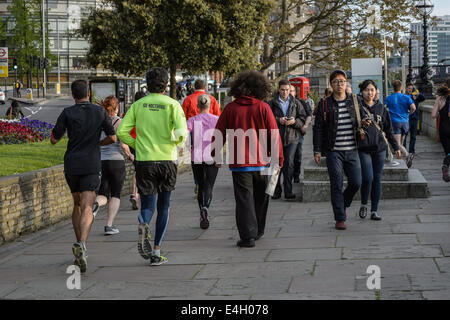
(113,177)
(205,175)
(444,136)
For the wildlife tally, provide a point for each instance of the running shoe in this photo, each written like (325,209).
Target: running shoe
(80,253)
(111,230)
(144,245)
(409,160)
(204,223)
(445,175)
(157,260)
(95,208)
(133,201)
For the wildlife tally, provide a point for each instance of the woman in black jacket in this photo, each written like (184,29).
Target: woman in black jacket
(372,163)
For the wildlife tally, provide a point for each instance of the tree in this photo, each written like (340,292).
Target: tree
(26,40)
(196,35)
(333,30)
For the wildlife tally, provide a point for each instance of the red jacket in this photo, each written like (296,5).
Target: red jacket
(249,113)
(190,105)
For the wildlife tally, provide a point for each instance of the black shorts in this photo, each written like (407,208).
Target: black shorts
(79,183)
(113,178)
(153,177)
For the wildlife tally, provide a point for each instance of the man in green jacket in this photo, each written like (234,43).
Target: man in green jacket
(160,128)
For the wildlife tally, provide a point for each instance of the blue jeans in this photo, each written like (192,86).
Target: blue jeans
(287,170)
(148,206)
(372,170)
(338,164)
(298,159)
(412,135)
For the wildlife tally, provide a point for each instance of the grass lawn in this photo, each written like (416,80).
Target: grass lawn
(19,158)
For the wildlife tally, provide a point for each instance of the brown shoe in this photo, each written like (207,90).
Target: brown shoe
(340,225)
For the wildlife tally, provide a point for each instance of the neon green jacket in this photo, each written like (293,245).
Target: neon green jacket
(160,128)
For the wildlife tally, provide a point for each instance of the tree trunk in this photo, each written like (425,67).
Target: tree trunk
(173,81)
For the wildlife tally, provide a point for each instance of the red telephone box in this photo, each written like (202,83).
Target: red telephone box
(302,86)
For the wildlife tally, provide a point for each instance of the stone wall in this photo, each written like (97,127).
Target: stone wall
(428,124)
(40,198)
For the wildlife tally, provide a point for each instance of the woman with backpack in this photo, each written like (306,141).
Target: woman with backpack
(372,161)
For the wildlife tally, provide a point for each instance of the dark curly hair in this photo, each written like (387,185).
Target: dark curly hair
(157,79)
(250,83)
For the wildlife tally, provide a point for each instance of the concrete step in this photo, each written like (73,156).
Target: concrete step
(396,171)
(414,187)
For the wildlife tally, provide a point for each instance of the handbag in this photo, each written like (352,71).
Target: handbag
(368,138)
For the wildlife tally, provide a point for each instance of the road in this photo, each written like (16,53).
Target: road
(48,111)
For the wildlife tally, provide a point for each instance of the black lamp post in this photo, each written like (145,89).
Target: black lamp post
(424,83)
(409,76)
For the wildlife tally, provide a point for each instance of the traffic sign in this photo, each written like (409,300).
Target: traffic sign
(3,53)
(3,62)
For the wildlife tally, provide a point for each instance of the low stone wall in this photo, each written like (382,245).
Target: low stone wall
(40,198)
(428,124)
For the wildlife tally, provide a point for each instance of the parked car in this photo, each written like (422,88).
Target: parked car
(2,96)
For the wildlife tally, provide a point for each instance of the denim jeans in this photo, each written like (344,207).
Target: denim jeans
(298,159)
(338,164)
(287,170)
(412,135)
(372,170)
(148,206)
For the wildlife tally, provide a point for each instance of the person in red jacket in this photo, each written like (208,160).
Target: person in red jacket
(249,117)
(190,107)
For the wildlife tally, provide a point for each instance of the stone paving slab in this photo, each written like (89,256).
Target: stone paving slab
(436,295)
(251,286)
(389,252)
(301,256)
(318,296)
(254,270)
(387,266)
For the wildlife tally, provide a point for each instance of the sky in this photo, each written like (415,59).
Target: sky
(441,7)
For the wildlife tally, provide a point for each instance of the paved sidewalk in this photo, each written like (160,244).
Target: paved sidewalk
(301,255)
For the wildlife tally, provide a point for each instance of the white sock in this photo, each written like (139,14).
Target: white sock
(156,252)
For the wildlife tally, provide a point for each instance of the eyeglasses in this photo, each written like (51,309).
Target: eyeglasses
(338,81)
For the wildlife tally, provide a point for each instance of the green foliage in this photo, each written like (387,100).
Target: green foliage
(196,35)
(314,94)
(19,158)
(333,31)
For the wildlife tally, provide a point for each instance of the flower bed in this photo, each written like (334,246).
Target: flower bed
(23,131)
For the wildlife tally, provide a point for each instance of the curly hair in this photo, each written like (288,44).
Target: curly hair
(250,83)
(110,103)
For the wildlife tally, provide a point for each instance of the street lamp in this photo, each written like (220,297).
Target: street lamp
(424,83)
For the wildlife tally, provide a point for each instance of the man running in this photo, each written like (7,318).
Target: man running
(400,107)
(84,123)
(160,128)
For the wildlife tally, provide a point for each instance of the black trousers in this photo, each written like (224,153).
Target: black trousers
(205,175)
(251,203)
